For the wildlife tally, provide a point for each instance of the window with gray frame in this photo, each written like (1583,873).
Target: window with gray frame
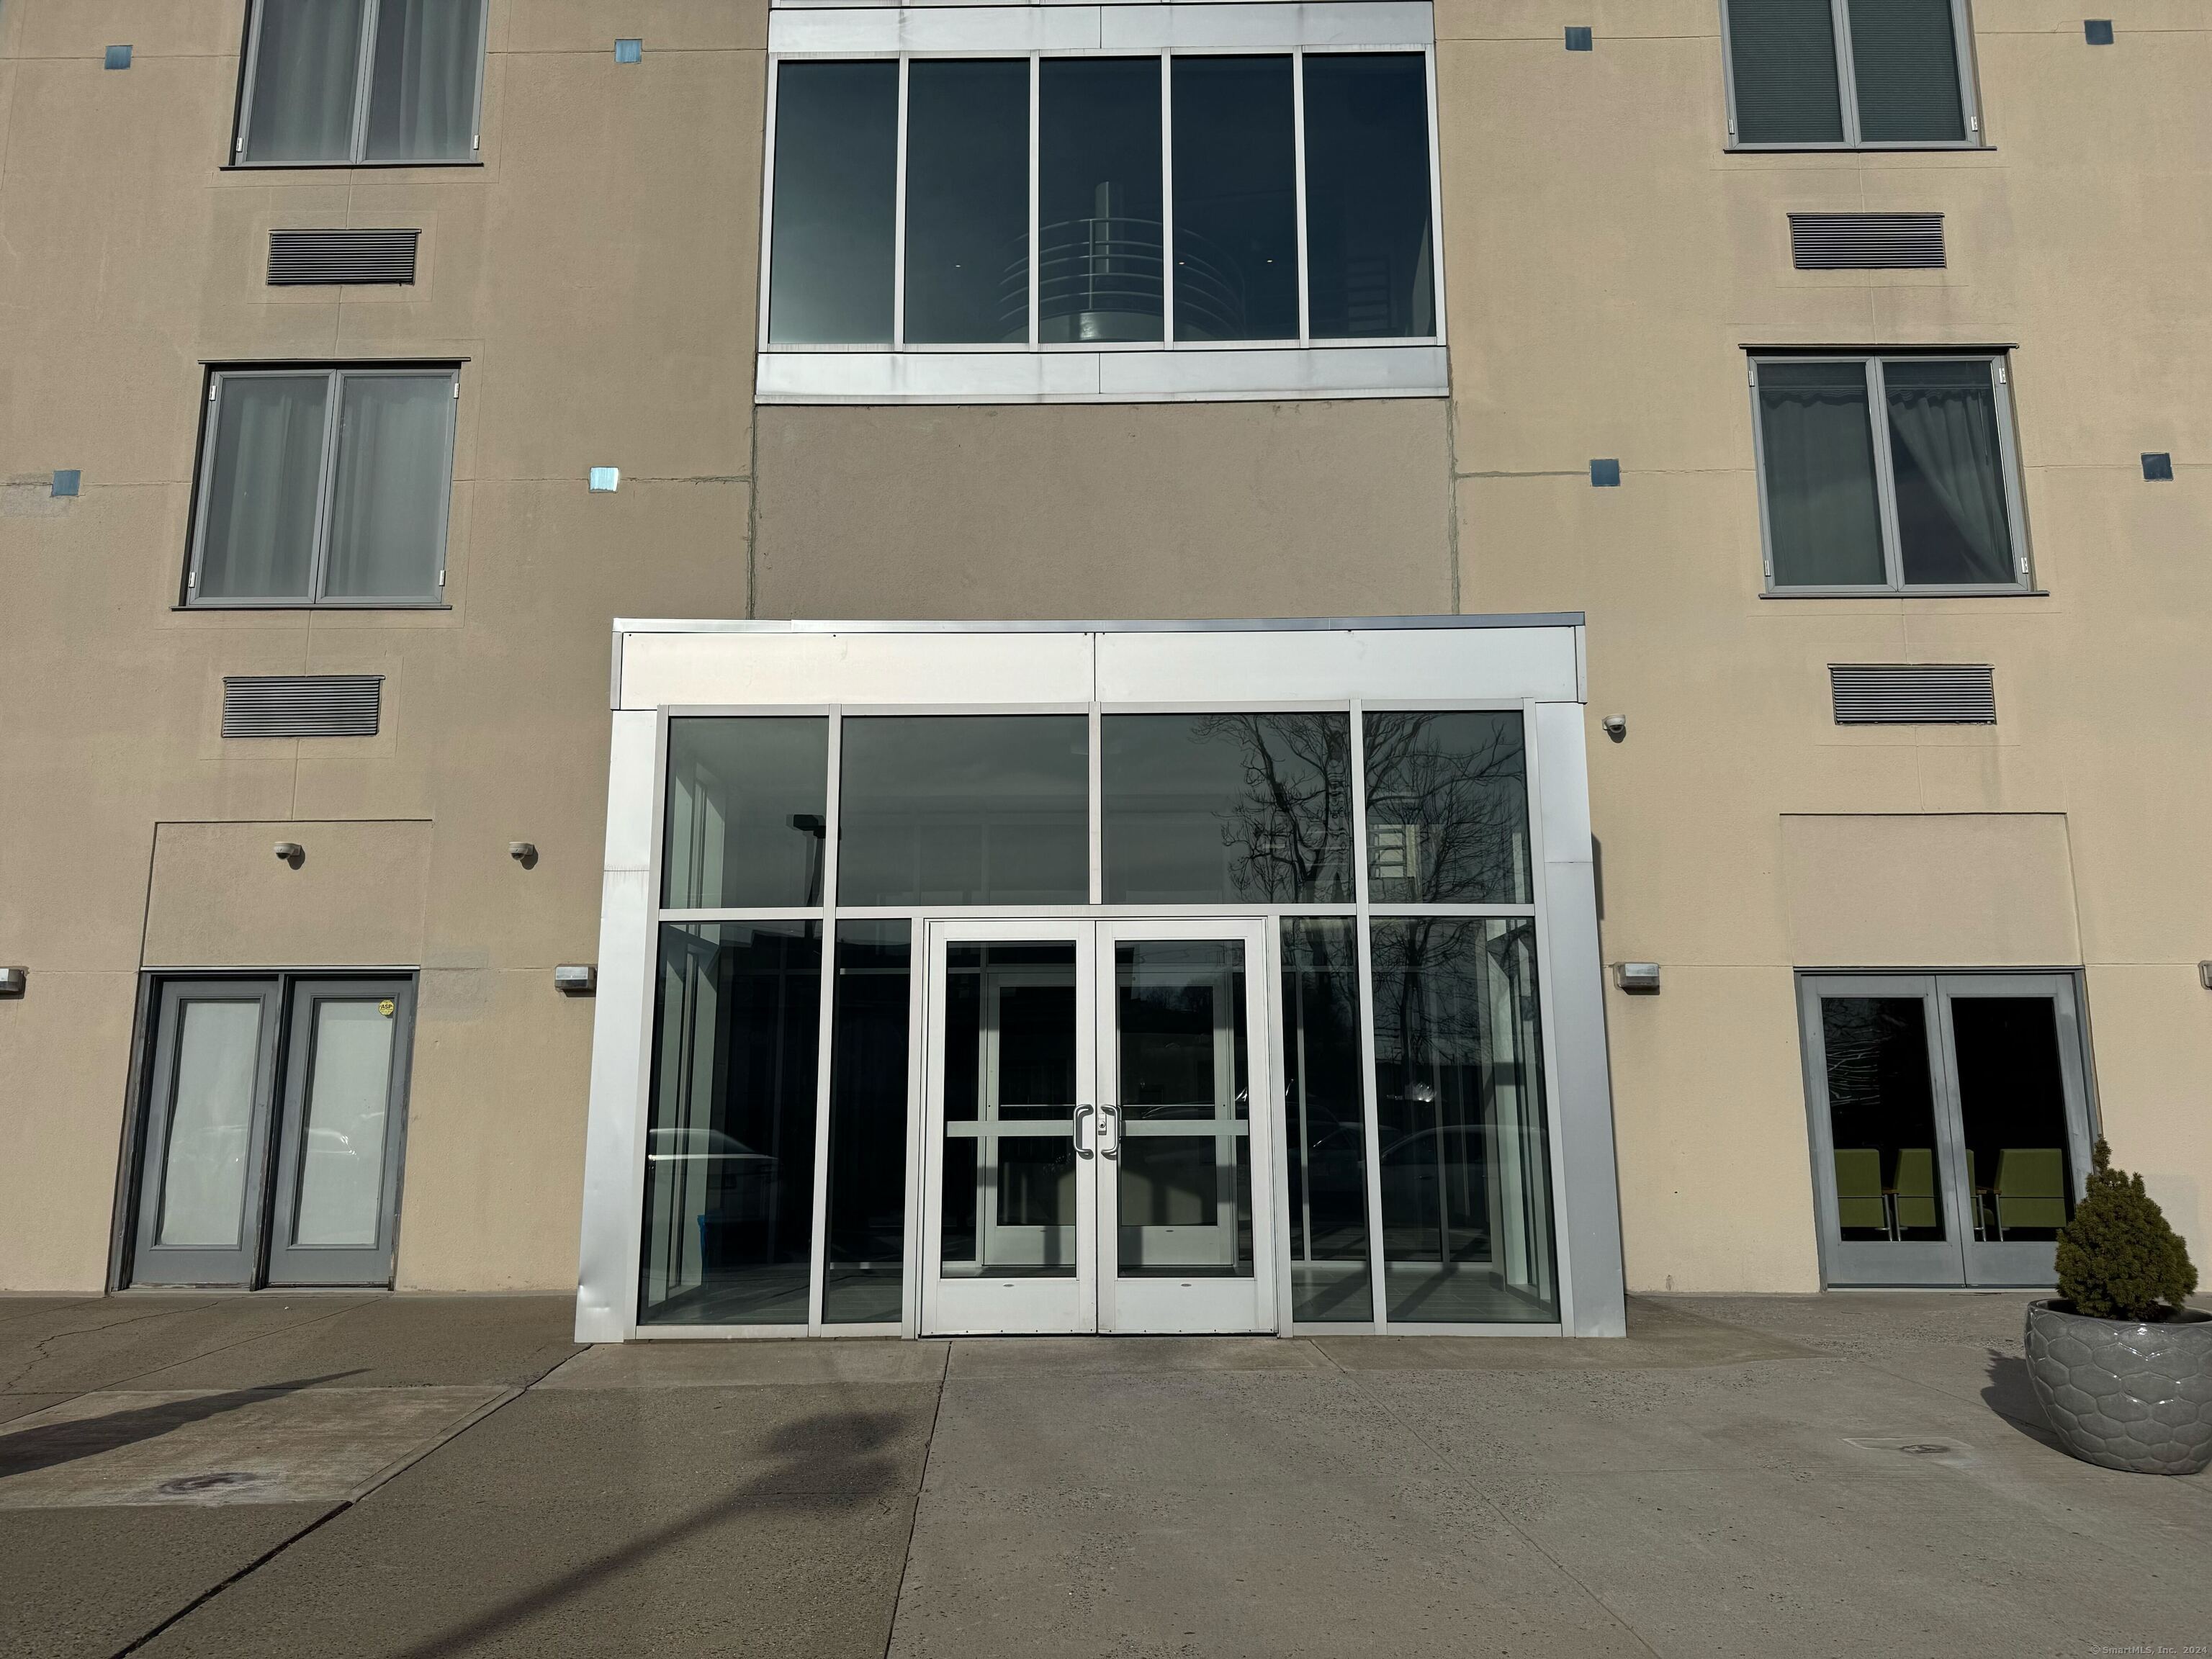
(395,82)
(1849,74)
(1171,198)
(324,486)
(1888,474)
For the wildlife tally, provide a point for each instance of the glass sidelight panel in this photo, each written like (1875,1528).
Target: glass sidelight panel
(1009,1200)
(205,1164)
(1447,808)
(1370,263)
(1466,1169)
(1181,1128)
(2012,1110)
(866,1254)
(1323,1115)
(1214,808)
(730,1140)
(1881,1116)
(833,224)
(745,815)
(965,809)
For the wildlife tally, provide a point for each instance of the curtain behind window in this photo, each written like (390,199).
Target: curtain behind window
(388,523)
(1906,65)
(422,96)
(1821,505)
(1950,474)
(304,67)
(261,489)
(1784,54)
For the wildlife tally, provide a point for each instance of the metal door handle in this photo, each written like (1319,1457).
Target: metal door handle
(1081,1113)
(1109,1114)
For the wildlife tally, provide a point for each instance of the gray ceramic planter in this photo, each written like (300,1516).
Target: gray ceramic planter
(2129,1396)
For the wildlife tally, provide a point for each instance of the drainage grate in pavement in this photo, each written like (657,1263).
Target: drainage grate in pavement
(1932,1447)
(191,1486)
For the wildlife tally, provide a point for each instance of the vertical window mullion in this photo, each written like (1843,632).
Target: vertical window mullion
(818,1257)
(364,79)
(1167,200)
(1298,184)
(1363,956)
(1885,476)
(1036,79)
(898,215)
(212,412)
(325,483)
(1436,198)
(1847,79)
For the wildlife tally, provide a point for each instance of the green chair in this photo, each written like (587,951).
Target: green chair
(1858,1190)
(2031,1189)
(1915,1198)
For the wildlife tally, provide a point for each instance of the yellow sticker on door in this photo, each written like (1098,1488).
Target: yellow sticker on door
(384,1007)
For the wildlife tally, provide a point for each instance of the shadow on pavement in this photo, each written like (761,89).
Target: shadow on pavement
(50,1444)
(2012,1397)
(830,1460)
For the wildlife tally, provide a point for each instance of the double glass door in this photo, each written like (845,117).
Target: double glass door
(273,1131)
(1950,1124)
(1092,1159)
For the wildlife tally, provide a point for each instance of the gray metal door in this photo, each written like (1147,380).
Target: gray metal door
(1950,1124)
(203,1173)
(337,1163)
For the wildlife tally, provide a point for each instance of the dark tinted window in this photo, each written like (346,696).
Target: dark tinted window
(836,165)
(1373,269)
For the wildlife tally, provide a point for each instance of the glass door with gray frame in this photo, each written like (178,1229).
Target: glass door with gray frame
(1950,1124)
(272,1133)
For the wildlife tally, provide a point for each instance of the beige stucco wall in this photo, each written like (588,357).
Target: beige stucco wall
(1607,264)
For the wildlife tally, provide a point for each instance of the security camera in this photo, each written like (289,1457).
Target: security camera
(1616,726)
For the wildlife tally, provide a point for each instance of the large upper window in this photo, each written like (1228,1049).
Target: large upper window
(1171,199)
(1849,72)
(323,487)
(392,81)
(1889,473)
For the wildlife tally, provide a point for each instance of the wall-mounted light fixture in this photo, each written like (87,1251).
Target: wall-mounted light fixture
(606,480)
(576,979)
(291,853)
(523,852)
(1640,978)
(1605,474)
(628,51)
(2097,31)
(2158,466)
(1578,37)
(117,58)
(11,981)
(2203,974)
(68,480)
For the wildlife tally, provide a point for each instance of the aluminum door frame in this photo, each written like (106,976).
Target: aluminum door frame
(1202,1305)
(241,1265)
(1009,1305)
(1991,1263)
(288,1263)
(1855,1262)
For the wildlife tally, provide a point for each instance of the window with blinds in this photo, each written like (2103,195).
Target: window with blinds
(1849,73)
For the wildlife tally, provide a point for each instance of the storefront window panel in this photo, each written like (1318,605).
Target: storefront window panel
(1459,1086)
(729,1191)
(1447,808)
(1324,1131)
(1210,808)
(965,809)
(744,825)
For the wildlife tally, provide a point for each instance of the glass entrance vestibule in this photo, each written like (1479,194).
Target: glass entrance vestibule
(948,985)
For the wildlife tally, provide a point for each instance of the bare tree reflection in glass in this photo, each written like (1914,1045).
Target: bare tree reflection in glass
(1447,808)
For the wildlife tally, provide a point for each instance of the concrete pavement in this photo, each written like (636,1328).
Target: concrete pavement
(428,1476)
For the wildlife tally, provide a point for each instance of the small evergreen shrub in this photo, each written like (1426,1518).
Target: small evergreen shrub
(2118,1258)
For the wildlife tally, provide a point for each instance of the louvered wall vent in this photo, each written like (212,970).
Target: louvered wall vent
(302,258)
(301,705)
(1914,693)
(1867,241)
